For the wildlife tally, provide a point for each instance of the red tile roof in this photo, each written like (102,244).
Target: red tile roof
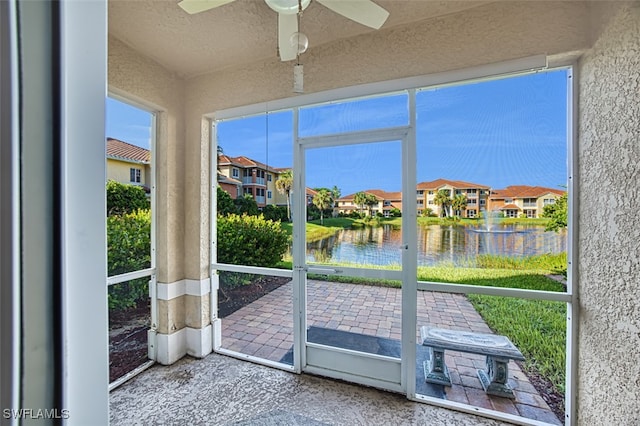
(523,191)
(247,162)
(394,205)
(457,184)
(226,179)
(120,150)
(378,193)
(509,207)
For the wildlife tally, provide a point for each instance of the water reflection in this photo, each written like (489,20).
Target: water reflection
(456,245)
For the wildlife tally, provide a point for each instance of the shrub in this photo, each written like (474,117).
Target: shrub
(250,240)
(275,213)
(313,213)
(557,212)
(128,250)
(395,212)
(224,202)
(124,198)
(246,204)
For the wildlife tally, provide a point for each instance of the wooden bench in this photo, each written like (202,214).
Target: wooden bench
(498,350)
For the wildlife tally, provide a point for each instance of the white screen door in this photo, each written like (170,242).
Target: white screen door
(352,286)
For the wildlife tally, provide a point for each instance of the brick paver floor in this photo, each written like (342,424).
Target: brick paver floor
(265,329)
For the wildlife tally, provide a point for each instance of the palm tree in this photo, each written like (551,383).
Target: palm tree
(323,200)
(335,193)
(442,199)
(459,203)
(372,200)
(284,185)
(360,199)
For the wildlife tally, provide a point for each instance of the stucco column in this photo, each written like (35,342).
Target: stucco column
(199,290)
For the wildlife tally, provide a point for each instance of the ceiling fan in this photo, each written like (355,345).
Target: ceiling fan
(365,12)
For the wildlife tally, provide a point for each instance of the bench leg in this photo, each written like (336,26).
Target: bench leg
(494,380)
(435,369)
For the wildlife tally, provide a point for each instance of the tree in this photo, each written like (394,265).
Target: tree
(224,202)
(246,204)
(360,199)
(442,199)
(124,198)
(284,185)
(322,200)
(371,201)
(557,212)
(459,204)
(335,193)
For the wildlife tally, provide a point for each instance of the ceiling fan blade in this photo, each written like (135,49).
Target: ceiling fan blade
(364,12)
(197,6)
(287,25)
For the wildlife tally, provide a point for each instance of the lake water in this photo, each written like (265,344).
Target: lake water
(458,245)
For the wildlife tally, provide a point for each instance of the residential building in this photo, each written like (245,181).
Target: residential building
(476,194)
(522,200)
(243,175)
(386,201)
(127,163)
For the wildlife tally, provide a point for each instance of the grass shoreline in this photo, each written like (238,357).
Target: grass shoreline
(316,230)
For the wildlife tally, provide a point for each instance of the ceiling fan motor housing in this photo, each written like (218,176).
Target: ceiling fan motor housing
(287,7)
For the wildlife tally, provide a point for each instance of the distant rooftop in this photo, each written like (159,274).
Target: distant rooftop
(121,150)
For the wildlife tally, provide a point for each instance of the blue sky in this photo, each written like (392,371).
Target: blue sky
(128,123)
(496,133)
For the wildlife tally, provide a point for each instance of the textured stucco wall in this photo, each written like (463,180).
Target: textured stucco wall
(609,233)
(486,34)
(143,80)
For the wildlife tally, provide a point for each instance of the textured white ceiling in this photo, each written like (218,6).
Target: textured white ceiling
(243,31)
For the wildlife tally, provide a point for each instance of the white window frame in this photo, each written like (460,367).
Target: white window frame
(151,271)
(136,174)
(440,80)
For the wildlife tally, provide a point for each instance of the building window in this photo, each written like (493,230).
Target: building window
(248,191)
(471,191)
(430,202)
(508,200)
(483,202)
(260,192)
(548,201)
(430,192)
(269,178)
(135,175)
(420,192)
(421,202)
(471,213)
(269,193)
(235,173)
(472,201)
(387,203)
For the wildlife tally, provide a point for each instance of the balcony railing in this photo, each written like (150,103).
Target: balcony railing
(260,199)
(247,179)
